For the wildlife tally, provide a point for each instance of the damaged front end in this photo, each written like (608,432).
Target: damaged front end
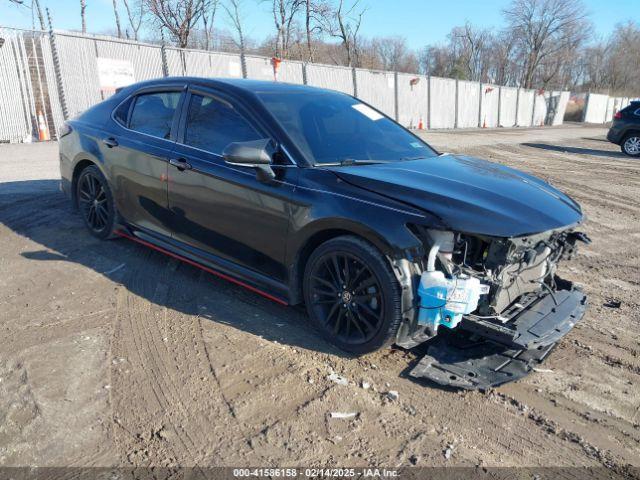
(491,308)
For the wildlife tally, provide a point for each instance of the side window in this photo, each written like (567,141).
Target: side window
(122,112)
(213,124)
(153,113)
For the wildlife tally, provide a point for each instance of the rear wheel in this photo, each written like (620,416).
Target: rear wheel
(631,145)
(95,202)
(352,295)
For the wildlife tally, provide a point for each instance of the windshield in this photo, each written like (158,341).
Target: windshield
(331,127)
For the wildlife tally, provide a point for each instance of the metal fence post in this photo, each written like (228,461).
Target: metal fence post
(533,110)
(304,73)
(428,102)
(163,57)
(499,104)
(183,60)
(481,97)
(455,120)
(355,81)
(517,106)
(56,68)
(396,96)
(243,64)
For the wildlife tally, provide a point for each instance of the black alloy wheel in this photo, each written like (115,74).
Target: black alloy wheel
(95,202)
(352,295)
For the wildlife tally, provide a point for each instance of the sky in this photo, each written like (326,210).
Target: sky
(421,22)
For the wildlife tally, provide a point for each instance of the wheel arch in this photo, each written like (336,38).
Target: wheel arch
(79,165)
(322,231)
(631,131)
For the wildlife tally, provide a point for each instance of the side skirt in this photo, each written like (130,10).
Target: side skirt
(208,265)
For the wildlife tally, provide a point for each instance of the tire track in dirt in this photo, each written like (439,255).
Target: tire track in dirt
(182,417)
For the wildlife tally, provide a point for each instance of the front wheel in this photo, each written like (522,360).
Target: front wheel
(352,295)
(95,203)
(631,145)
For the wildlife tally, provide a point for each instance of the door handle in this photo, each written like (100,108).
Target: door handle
(180,163)
(110,142)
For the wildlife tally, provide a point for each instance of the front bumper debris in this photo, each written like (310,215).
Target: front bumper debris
(480,358)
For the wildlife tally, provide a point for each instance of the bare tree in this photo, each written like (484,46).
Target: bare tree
(284,12)
(344,24)
(393,53)
(208,19)
(232,8)
(117,16)
(83,15)
(543,29)
(135,15)
(314,13)
(471,47)
(179,17)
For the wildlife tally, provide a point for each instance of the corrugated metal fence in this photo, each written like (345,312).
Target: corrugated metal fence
(600,108)
(51,76)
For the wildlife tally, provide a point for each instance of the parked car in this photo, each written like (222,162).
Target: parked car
(625,129)
(311,196)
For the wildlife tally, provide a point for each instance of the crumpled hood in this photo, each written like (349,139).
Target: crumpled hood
(470,195)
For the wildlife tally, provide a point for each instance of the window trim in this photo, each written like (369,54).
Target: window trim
(249,116)
(160,88)
(182,130)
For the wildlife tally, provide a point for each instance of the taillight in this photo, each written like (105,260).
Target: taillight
(618,115)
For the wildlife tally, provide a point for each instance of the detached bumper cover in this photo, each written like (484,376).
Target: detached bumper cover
(468,359)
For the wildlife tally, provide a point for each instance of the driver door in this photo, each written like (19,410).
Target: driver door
(221,209)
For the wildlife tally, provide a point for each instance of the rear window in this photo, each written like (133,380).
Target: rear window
(153,113)
(632,107)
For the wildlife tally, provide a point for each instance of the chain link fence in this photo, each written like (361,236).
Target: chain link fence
(48,77)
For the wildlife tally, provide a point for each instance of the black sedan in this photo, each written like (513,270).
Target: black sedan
(625,129)
(311,196)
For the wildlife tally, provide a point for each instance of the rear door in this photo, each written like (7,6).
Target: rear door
(224,209)
(138,152)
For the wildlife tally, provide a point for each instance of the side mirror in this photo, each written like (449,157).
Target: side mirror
(256,154)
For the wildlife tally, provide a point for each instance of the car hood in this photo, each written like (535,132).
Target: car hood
(470,195)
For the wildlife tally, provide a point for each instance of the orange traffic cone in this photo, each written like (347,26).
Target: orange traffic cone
(43,131)
(420,124)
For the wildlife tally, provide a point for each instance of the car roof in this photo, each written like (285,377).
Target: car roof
(239,85)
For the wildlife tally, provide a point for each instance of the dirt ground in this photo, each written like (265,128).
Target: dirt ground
(113,354)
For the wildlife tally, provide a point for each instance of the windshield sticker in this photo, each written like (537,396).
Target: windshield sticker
(417,145)
(367,111)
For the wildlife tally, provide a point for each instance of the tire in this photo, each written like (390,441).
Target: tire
(364,316)
(631,145)
(96,204)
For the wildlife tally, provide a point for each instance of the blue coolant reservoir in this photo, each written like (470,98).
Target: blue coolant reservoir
(433,298)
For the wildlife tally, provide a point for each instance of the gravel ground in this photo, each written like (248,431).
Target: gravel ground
(103,362)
